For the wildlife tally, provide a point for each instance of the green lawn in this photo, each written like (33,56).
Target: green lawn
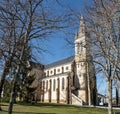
(46,108)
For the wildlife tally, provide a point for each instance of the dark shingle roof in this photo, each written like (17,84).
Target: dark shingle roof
(61,62)
(36,65)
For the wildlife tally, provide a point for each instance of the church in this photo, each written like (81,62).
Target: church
(71,80)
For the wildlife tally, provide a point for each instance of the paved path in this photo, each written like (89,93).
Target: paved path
(117,108)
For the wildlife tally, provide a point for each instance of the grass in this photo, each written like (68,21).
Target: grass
(47,108)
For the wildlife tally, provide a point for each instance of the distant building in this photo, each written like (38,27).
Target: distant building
(71,80)
(102,100)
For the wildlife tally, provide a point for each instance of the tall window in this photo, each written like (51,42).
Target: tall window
(51,72)
(54,85)
(62,69)
(63,83)
(67,68)
(54,71)
(78,48)
(58,70)
(47,73)
(81,46)
(47,85)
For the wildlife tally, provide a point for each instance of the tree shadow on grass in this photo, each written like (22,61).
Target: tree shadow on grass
(32,113)
(27,112)
(47,105)
(4,104)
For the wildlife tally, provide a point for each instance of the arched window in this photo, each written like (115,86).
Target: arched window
(54,85)
(63,83)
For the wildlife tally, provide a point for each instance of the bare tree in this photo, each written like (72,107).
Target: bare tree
(25,20)
(104,26)
(8,48)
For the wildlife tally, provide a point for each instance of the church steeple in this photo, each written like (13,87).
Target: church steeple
(80,38)
(85,73)
(82,26)
(82,29)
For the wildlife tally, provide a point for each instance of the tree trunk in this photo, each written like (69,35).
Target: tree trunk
(13,95)
(12,99)
(117,96)
(109,96)
(5,72)
(2,83)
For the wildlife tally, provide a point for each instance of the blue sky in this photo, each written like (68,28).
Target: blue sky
(57,46)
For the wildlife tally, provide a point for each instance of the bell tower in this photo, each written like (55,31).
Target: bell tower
(85,72)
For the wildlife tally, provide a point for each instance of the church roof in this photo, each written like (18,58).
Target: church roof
(60,62)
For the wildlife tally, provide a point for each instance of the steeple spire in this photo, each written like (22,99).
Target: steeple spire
(82,29)
(82,26)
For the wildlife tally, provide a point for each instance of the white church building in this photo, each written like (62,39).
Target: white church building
(71,80)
